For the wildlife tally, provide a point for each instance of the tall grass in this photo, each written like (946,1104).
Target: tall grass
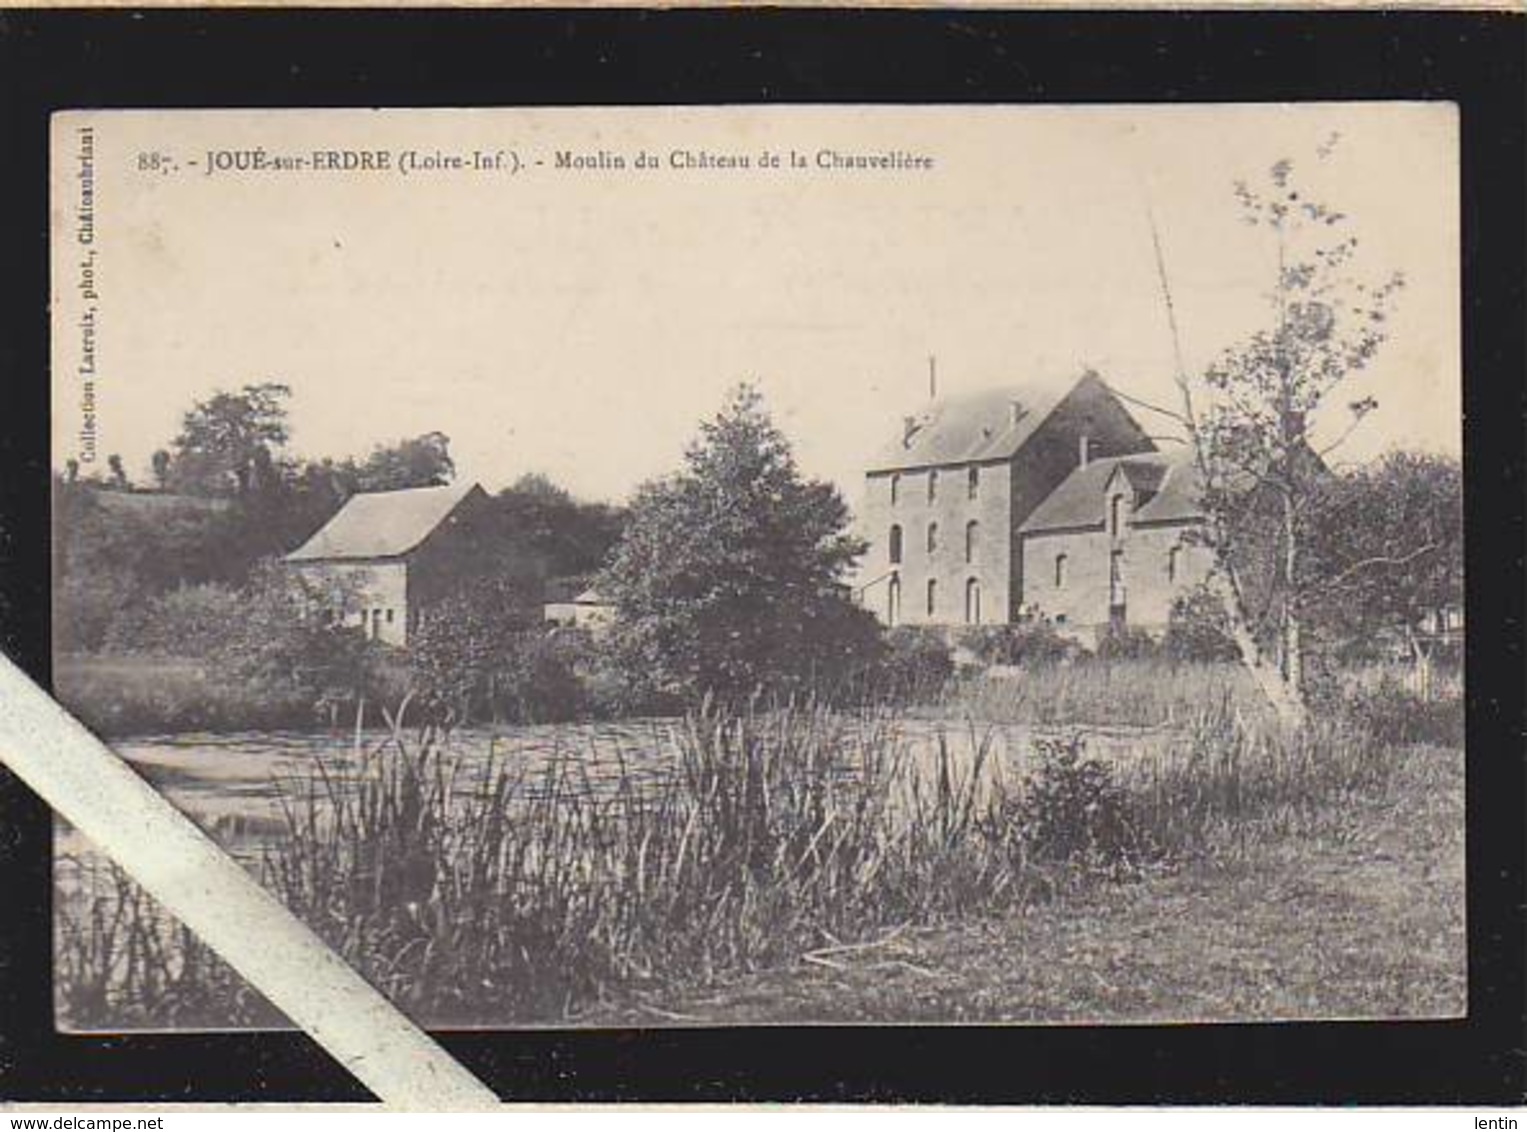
(495,895)
(1132,692)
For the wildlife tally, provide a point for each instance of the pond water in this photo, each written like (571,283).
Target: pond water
(232,784)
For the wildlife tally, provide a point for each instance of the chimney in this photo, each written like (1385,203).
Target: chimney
(1014,412)
(1083,450)
(908,427)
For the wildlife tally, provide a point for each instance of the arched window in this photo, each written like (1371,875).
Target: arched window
(973,484)
(895,546)
(932,596)
(1115,510)
(932,484)
(1060,571)
(1172,557)
(932,537)
(895,488)
(972,602)
(972,532)
(893,601)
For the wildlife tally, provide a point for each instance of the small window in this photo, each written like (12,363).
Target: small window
(1172,563)
(389,617)
(972,602)
(932,596)
(893,602)
(1115,511)
(932,537)
(932,484)
(972,533)
(895,489)
(1060,571)
(895,545)
(973,484)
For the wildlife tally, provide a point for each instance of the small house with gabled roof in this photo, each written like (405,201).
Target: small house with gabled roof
(399,552)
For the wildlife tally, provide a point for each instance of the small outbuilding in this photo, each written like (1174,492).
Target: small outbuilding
(400,551)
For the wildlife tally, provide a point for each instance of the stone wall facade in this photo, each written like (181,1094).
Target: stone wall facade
(988,585)
(1155,565)
(970,563)
(382,589)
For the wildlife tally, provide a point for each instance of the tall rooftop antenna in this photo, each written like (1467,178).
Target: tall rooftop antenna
(932,378)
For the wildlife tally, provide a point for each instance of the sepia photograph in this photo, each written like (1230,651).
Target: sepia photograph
(772,566)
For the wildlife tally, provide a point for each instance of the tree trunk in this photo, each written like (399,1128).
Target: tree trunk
(1421,662)
(1291,629)
(1269,677)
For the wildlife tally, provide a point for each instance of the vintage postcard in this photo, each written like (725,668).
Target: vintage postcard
(772,565)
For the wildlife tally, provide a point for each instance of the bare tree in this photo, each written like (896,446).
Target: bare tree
(1249,418)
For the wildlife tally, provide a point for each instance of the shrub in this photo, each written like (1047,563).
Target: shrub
(468,658)
(1198,629)
(1126,642)
(1392,713)
(1027,642)
(188,621)
(85,605)
(917,663)
(1073,811)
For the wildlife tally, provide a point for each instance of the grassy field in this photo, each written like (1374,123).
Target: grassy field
(134,695)
(1359,915)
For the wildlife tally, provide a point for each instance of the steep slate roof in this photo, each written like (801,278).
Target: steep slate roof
(975,426)
(382,524)
(1176,498)
(1079,502)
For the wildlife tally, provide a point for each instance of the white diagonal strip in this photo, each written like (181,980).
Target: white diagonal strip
(212,895)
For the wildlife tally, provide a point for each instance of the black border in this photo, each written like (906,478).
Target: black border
(65,59)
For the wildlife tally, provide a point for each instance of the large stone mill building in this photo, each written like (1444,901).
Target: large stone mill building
(1029,503)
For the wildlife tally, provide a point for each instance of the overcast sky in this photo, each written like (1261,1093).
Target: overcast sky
(580,323)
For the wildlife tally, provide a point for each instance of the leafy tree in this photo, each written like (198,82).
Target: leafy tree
(162,468)
(419,461)
(477,652)
(293,634)
(570,537)
(728,579)
(1249,424)
(227,444)
(118,472)
(1387,549)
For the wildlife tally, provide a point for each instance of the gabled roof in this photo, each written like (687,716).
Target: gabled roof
(1177,494)
(1079,501)
(1144,475)
(976,426)
(382,524)
(572,589)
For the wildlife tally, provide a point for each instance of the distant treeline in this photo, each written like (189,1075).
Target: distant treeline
(225,496)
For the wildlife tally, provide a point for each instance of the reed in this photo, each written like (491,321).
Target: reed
(494,895)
